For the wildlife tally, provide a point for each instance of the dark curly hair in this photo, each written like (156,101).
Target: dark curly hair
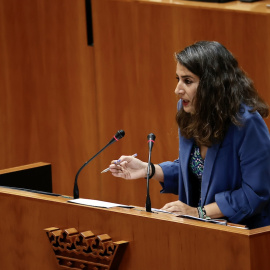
(223,87)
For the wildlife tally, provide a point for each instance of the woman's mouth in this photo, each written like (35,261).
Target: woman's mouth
(185,102)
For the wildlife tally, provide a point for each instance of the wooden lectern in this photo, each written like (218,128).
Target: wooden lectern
(156,241)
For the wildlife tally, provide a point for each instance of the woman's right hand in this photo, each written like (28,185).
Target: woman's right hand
(128,167)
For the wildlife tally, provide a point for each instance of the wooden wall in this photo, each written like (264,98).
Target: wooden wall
(48,98)
(62,101)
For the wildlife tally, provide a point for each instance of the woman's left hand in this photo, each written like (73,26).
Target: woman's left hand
(180,208)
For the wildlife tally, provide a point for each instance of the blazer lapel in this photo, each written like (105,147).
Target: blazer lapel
(184,155)
(207,171)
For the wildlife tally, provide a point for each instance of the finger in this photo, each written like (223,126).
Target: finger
(123,164)
(171,209)
(127,159)
(175,210)
(115,161)
(123,174)
(115,168)
(118,174)
(168,205)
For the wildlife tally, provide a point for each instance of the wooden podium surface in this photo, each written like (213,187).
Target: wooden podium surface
(156,240)
(253,7)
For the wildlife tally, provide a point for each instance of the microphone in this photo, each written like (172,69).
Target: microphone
(151,139)
(119,135)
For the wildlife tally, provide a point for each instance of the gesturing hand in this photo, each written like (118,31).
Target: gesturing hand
(128,167)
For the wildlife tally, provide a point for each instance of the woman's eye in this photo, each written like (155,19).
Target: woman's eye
(188,81)
(177,78)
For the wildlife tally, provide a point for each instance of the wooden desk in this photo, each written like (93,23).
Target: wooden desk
(238,6)
(156,241)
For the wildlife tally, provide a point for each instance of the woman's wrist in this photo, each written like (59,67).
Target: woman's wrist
(152,170)
(202,213)
(213,211)
(145,169)
(158,174)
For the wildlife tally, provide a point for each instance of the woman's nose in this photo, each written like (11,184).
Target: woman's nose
(179,90)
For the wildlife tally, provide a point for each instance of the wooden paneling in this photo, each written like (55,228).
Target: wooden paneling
(132,90)
(48,99)
(135,71)
(156,241)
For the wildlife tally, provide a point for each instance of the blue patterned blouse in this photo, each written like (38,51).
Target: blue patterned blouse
(196,164)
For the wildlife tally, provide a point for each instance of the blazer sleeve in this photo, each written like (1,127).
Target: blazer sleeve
(171,173)
(253,147)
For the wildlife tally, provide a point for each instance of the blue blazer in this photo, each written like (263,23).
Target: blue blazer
(236,172)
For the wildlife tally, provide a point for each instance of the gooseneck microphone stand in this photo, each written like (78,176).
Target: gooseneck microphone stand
(120,134)
(151,139)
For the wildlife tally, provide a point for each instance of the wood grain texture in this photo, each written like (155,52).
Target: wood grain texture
(48,98)
(156,241)
(131,94)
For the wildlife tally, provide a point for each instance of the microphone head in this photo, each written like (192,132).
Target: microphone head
(151,137)
(120,134)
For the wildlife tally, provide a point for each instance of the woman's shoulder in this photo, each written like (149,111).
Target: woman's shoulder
(251,122)
(248,115)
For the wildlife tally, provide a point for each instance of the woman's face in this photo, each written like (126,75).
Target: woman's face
(186,87)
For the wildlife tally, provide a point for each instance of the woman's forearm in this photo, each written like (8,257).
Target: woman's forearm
(212,210)
(159,175)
